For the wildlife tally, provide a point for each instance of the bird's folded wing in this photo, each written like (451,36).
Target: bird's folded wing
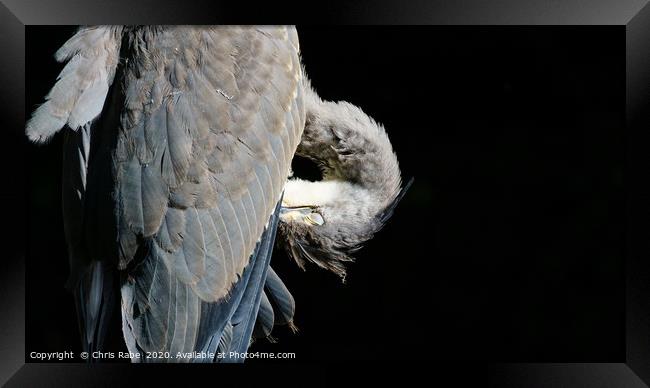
(80,91)
(75,101)
(212,120)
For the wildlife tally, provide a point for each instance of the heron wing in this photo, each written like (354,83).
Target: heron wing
(230,322)
(75,101)
(78,96)
(212,119)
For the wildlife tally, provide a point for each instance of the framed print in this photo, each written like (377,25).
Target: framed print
(456,190)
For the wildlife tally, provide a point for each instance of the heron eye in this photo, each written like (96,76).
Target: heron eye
(315,219)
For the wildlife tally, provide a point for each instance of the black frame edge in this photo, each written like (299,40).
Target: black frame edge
(638,163)
(12,265)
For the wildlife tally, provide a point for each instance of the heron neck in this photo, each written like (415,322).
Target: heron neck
(298,192)
(349,147)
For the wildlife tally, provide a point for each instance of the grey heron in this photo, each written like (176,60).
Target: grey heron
(177,162)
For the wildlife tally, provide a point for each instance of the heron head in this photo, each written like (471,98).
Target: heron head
(325,222)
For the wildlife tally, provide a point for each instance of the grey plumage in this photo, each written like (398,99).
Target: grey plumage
(78,96)
(178,144)
(281,300)
(325,222)
(265,319)
(231,316)
(192,176)
(200,164)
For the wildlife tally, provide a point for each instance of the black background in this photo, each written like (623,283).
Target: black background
(509,246)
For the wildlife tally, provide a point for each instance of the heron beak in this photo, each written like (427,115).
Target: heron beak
(296,213)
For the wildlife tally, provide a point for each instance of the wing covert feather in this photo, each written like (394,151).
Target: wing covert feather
(78,96)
